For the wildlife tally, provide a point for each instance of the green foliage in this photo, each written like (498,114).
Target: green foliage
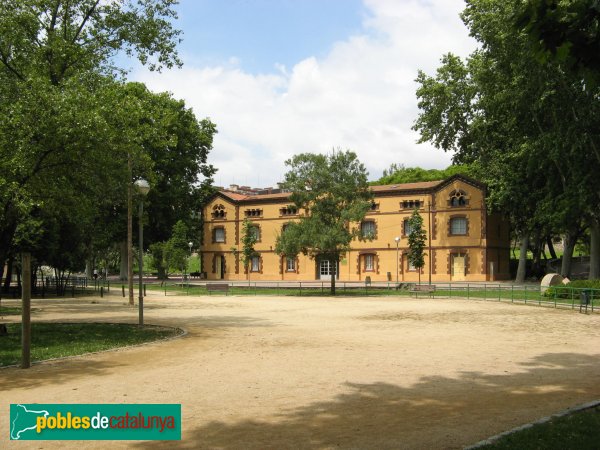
(529,127)
(68,125)
(57,340)
(249,238)
(398,174)
(573,288)
(334,189)
(579,430)
(416,241)
(176,249)
(564,31)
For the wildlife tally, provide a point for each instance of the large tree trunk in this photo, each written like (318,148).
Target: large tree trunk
(89,264)
(9,272)
(594,249)
(570,240)
(123,266)
(538,244)
(551,247)
(522,268)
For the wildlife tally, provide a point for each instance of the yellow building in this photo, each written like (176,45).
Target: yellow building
(464,242)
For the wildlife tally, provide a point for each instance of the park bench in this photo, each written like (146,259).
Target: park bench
(217,287)
(427,288)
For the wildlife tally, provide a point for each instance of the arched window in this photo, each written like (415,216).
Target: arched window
(458,198)
(218,212)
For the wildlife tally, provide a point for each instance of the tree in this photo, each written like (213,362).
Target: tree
(565,31)
(416,242)
(61,115)
(176,250)
(249,238)
(527,127)
(334,193)
(398,174)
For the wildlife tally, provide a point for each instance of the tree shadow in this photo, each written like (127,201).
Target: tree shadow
(437,412)
(59,371)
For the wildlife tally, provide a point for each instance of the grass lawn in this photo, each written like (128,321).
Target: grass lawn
(54,340)
(9,311)
(577,431)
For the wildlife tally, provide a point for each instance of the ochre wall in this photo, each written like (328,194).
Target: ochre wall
(486,241)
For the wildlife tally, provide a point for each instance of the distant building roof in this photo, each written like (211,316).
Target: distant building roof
(248,194)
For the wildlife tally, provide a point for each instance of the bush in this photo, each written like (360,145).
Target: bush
(573,288)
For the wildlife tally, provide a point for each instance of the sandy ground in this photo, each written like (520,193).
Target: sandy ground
(279,373)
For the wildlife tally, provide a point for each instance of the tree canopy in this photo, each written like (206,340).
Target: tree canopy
(334,194)
(69,123)
(526,127)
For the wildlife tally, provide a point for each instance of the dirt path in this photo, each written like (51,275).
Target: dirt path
(278,373)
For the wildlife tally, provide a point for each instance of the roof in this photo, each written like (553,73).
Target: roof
(388,189)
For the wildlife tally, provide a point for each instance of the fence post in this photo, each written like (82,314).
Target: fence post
(301,289)
(101,291)
(572,299)
(468,292)
(144,290)
(484,291)
(123,290)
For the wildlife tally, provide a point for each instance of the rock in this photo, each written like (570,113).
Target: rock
(551,279)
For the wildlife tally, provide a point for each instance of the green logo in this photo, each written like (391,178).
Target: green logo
(95,422)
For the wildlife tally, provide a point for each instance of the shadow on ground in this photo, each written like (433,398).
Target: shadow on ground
(437,412)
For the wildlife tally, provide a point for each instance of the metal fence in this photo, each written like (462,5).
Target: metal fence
(557,297)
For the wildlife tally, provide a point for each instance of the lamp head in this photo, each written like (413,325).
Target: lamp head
(142,186)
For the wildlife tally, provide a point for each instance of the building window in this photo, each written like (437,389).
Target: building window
(253,213)
(411,204)
(290,264)
(367,229)
(219,235)
(369,263)
(218,212)
(255,264)
(411,267)
(458,198)
(458,226)
(288,211)
(255,232)
(406,227)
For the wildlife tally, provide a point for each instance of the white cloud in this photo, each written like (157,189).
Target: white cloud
(360,96)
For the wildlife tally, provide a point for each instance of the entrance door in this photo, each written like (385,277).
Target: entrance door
(326,270)
(220,267)
(458,267)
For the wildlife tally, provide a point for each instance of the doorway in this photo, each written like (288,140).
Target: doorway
(325,270)
(220,267)
(458,266)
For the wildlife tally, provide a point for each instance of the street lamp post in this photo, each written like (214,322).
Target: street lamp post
(143,187)
(397,239)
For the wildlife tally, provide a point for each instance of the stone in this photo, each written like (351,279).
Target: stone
(551,279)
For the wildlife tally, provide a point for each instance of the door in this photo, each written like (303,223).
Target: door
(220,267)
(458,267)
(326,270)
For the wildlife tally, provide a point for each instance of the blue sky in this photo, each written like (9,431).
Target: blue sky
(281,77)
(262,33)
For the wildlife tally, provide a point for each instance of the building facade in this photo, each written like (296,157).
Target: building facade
(464,242)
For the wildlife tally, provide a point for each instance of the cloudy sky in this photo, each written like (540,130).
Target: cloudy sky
(280,77)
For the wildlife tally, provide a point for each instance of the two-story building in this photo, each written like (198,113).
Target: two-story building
(464,242)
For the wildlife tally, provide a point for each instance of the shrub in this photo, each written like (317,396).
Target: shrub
(573,288)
